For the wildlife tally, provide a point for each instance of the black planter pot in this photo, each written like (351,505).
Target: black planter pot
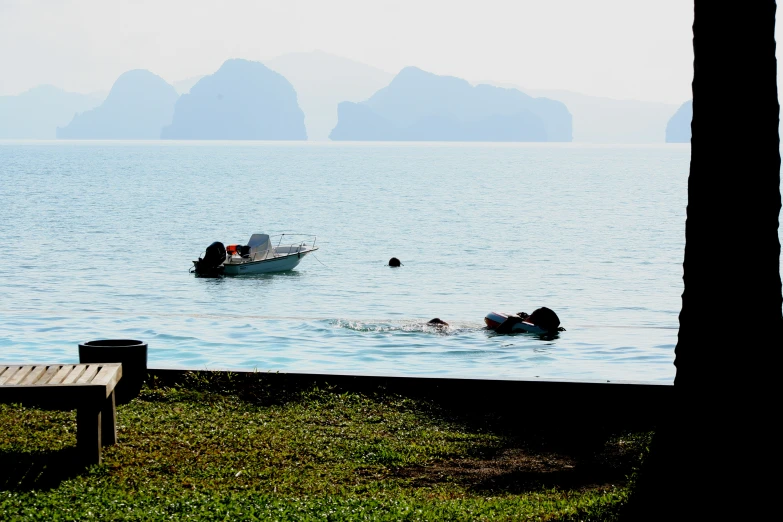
(131,353)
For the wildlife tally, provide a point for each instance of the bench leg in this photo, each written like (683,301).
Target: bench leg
(88,433)
(109,421)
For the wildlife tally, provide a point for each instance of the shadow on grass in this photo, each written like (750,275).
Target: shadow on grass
(557,407)
(570,417)
(519,482)
(38,471)
(257,388)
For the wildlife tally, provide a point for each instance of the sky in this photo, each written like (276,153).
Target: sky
(623,49)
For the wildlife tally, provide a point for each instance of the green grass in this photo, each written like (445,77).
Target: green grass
(221,447)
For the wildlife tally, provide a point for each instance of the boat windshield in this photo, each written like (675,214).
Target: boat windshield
(259,244)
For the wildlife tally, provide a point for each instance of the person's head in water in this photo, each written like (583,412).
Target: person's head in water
(545,318)
(440,323)
(394,262)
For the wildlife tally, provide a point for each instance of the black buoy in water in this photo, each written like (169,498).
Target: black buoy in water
(394,262)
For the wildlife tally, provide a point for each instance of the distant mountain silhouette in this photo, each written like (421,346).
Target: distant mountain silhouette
(678,129)
(36,114)
(322,81)
(139,104)
(421,106)
(607,120)
(243,100)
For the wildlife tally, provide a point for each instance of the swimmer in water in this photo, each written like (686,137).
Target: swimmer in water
(542,317)
(438,323)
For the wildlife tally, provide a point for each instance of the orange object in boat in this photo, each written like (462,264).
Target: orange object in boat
(231,249)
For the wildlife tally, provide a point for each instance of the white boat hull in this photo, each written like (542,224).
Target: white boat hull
(265,266)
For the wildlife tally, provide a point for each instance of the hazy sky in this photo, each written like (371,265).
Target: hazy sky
(615,48)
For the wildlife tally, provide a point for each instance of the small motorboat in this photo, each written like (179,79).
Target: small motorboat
(261,255)
(495,319)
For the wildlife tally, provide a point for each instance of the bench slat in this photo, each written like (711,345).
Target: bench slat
(3,369)
(19,375)
(34,375)
(75,373)
(61,374)
(50,372)
(89,373)
(108,375)
(8,374)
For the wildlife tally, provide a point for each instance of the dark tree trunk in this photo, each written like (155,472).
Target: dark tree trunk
(716,456)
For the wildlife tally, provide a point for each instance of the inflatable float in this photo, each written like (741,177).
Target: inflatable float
(495,319)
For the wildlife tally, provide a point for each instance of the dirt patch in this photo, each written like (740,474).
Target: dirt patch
(518,470)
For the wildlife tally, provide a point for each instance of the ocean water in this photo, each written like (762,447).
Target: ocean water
(98,239)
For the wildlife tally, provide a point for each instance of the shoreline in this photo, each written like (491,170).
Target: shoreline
(389,375)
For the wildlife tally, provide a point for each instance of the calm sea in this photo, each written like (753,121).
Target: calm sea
(98,239)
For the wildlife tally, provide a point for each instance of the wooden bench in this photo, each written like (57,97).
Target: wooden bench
(87,388)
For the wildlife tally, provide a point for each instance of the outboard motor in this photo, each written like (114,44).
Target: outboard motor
(214,257)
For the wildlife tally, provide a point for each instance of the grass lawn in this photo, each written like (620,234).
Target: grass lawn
(220,446)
